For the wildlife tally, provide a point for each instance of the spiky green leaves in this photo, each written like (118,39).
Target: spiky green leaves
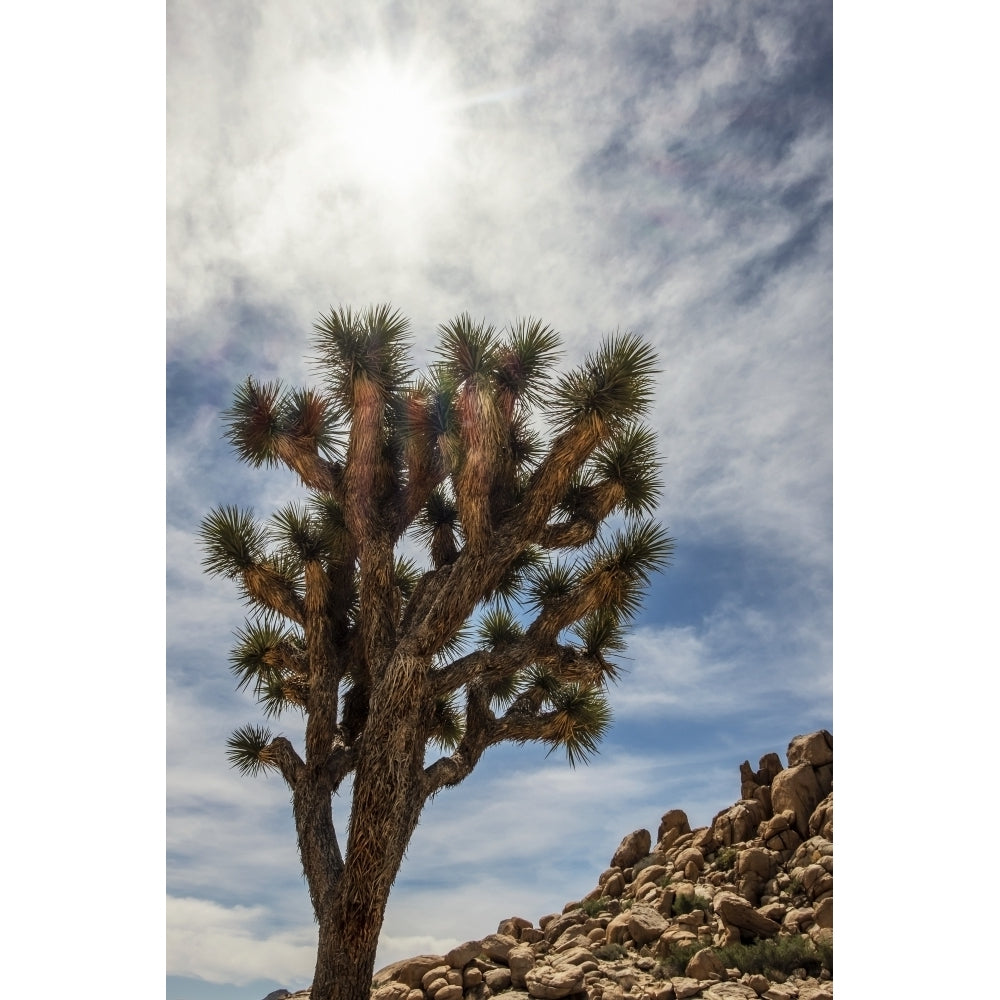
(600,633)
(232,540)
(369,347)
(265,651)
(498,628)
(581,719)
(265,415)
(467,349)
(612,387)
(525,361)
(448,727)
(437,527)
(247,749)
(548,583)
(630,460)
(618,571)
(295,530)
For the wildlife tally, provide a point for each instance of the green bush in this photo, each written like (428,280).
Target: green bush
(609,952)
(649,859)
(594,906)
(725,861)
(771,957)
(687,903)
(675,961)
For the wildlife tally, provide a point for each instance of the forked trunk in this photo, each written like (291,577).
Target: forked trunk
(387,802)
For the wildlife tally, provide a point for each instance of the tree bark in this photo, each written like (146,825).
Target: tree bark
(389,794)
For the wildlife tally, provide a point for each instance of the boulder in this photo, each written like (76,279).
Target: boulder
(497,980)
(817,881)
(756,861)
(615,885)
(431,976)
(408,970)
(548,983)
(674,820)
(460,956)
(684,986)
(617,930)
(739,822)
(756,982)
(650,875)
(633,848)
(513,926)
(816,749)
(768,767)
(390,991)
(521,960)
(748,780)
(573,956)
(498,946)
(797,789)
(781,991)
(821,820)
(705,964)
(555,928)
(735,911)
(729,991)
(645,924)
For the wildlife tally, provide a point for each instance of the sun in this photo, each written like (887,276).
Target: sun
(392,122)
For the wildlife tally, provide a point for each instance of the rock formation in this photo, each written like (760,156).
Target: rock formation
(742,908)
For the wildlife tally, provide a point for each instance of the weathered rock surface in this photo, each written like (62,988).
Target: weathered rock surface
(633,848)
(552,983)
(654,925)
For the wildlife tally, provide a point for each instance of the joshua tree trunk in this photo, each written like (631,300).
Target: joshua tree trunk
(389,794)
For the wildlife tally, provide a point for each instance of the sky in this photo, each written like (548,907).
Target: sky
(659,168)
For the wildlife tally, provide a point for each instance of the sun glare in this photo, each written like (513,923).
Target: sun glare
(393,123)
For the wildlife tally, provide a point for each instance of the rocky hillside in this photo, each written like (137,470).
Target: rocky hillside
(742,908)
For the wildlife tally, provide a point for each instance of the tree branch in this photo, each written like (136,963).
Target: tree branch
(271,589)
(281,754)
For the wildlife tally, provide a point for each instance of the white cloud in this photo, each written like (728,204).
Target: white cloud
(739,660)
(234,944)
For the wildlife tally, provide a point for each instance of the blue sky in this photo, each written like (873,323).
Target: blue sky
(662,168)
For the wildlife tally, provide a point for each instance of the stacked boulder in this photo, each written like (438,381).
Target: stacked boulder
(762,870)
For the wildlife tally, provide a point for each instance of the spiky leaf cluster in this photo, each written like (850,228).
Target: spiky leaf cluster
(266,415)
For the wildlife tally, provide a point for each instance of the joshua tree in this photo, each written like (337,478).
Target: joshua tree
(407,674)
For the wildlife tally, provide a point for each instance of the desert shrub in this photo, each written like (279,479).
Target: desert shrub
(649,859)
(609,952)
(772,957)
(594,906)
(686,903)
(825,951)
(725,861)
(675,961)
(782,954)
